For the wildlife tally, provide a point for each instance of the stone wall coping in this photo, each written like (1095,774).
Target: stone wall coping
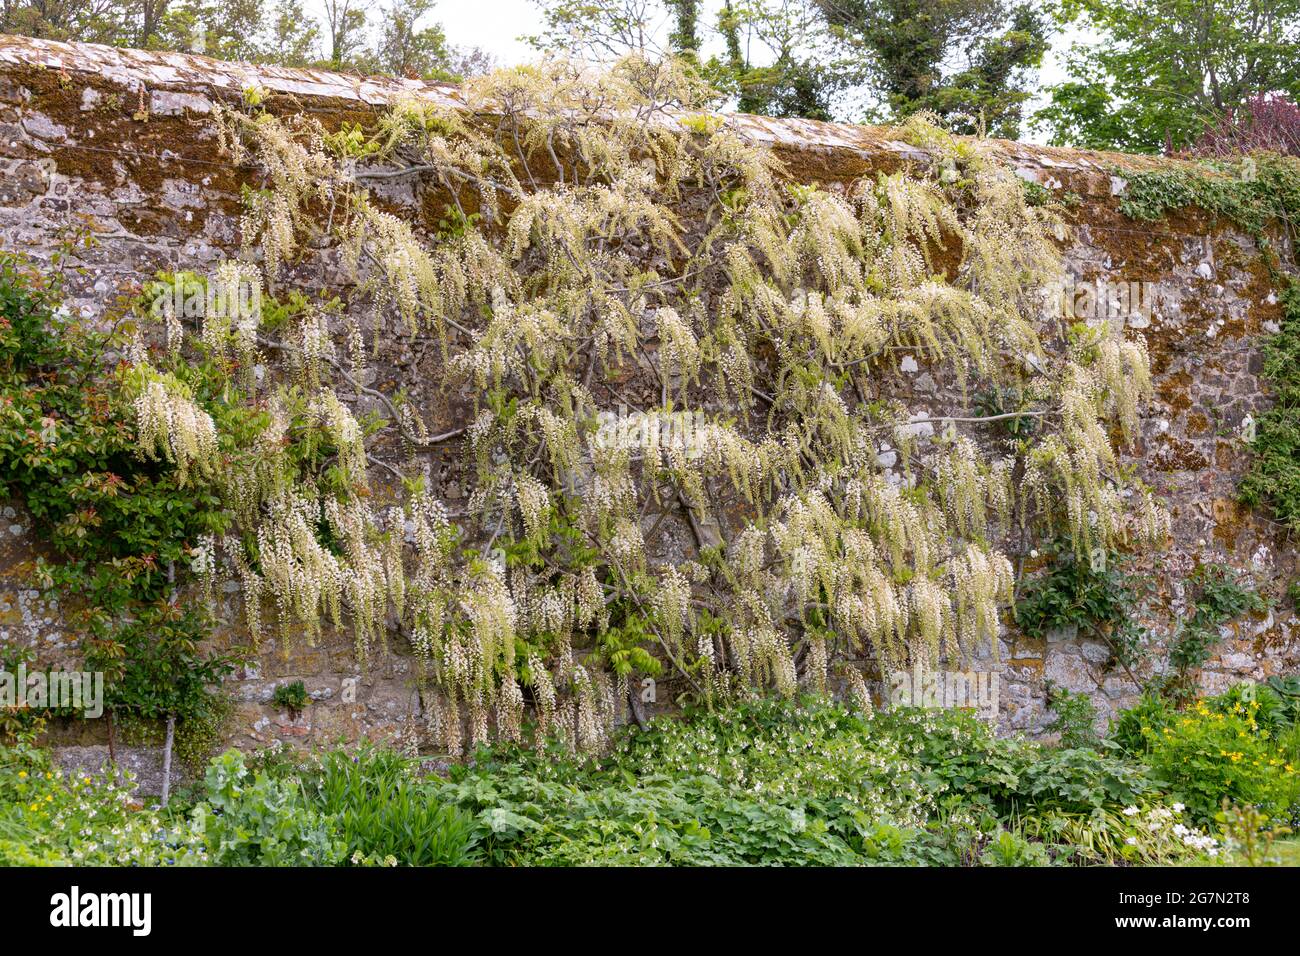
(191,73)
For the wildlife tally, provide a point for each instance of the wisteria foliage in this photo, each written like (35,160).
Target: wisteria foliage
(610,235)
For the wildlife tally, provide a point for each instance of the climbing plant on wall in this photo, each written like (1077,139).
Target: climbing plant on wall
(601,236)
(122,529)
(1260,193)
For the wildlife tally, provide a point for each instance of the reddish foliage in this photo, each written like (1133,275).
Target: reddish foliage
(1264,122)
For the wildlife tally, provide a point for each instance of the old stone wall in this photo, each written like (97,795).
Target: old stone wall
(123,141)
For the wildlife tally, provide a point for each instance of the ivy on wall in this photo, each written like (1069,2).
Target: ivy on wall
(1259,193)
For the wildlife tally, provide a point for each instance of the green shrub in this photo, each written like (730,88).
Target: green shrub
(258,820)
(1221,598)
(962,757)
(1207,755)
(775,783)
(384,815)
(1011,849)
(291,697)
(1074,717)
(1098,598)
(1131,729)
(49,817)
(781,748)
(116,522)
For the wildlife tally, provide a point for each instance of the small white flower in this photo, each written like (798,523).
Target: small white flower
(1130,811)
(1178,808)
(1132,841)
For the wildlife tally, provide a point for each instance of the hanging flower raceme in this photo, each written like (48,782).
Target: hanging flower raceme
(595,253)
(170,425)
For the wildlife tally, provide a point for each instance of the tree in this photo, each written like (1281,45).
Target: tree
(1264,123)
(157,671)
(685,38)
(406,49)
(346,25)
(465,62)
(1165,71)
(226,29)
(99,21)
(779,60)
(146,22)
(293,35)
(603,30)
(968,61)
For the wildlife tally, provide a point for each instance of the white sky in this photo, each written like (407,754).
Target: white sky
(494,25)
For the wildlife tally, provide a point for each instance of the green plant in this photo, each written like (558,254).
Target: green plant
(291,697)
(1074,716)
(1148,835)
(1093,594)
(52,817)
(1274,476)
(125,529)
(120,526)
(1011,849)
(1221,597)
(1276,707)
(257,820)
(1206,756)
(1132,729)
(383,814)
(153,663)
(201,731)
(1269,196)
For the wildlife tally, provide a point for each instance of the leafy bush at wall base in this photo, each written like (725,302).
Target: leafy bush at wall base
(774,783)
(759,783)
(49,817)
(384,815)
(252,819)
(1206,755)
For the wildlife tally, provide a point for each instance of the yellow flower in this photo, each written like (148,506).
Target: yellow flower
(22,774)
